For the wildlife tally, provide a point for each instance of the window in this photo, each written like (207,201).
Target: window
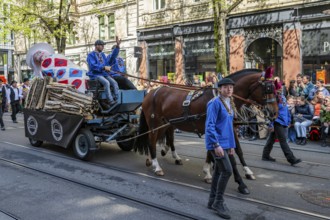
(159,4)
(102,28)
(111,26)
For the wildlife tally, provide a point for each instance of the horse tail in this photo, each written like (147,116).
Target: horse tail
(142,142)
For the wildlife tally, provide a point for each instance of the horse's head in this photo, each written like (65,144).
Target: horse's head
(250,85)
(270,100)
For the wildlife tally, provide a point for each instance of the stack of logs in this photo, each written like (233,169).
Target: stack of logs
(51,96)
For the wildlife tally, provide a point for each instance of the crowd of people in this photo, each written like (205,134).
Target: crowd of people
(309,105)
(12,96)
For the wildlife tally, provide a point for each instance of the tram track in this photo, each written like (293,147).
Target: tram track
(156,206)
(116,194)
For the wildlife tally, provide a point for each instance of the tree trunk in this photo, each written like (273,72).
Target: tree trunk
(60,44)
(220,14)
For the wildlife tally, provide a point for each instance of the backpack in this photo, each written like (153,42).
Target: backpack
(314,134)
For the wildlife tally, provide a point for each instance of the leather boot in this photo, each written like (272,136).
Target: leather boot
(210,203)
(221,209)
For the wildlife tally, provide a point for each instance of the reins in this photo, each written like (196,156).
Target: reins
(191,117)
(185,87)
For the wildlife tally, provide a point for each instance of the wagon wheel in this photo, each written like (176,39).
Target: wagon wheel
(125,145)
(83,143)
(35,143)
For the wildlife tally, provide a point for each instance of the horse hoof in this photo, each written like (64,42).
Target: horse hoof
(250,177)
(208,181)
(163,153)
(148,163)
(159,173)
(178,162)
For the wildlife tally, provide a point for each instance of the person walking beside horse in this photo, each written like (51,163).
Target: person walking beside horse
(279,129)
(220,141)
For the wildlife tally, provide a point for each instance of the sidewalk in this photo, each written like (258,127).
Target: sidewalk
(311,145)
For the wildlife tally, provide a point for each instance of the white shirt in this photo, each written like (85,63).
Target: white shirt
(18,94)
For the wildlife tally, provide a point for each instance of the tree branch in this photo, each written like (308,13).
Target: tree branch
(233,6)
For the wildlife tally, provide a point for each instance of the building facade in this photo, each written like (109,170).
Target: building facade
(177,39)
(292,36)
(289,35)
(6,51)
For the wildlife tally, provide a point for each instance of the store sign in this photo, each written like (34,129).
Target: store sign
(195,48)
(316,42)
(161,51)
(326,46)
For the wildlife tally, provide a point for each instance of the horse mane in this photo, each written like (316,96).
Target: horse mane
(243,72)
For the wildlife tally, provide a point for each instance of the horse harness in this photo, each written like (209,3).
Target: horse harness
(186,116)
(191,96)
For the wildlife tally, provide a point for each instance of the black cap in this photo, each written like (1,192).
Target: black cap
(226,81)
(26,79)
(12,82)
(99,42)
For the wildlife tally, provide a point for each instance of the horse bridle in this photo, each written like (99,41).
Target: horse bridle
(268,88)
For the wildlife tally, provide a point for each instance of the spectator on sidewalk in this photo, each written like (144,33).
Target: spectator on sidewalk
(325,121)
(300,85)
(319,87)
(309,87)
(317,105)
(302,120)
(292,90)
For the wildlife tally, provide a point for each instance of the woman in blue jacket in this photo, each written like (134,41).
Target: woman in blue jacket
(220,141)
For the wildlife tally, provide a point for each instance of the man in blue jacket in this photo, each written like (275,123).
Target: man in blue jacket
(118,70)
(99,70)
(309,87)
(220,142)
(279,129)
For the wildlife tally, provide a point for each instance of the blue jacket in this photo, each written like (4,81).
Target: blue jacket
(305,110)
(95,66)
(284,115)
(313,92)
(307,90)
(219,127)
(116,63)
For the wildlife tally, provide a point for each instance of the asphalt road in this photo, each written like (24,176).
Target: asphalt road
(28,194)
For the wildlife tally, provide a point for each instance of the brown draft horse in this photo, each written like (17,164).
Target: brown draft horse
(165,103)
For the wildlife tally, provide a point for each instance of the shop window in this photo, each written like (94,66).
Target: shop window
(159,4)
(161,69)
(102,27)
(111,26)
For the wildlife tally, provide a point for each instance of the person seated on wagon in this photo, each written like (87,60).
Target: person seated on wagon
(99,69)
(118,69)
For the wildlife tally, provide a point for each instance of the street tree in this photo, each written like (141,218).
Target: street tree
(39,20)
(220,10)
